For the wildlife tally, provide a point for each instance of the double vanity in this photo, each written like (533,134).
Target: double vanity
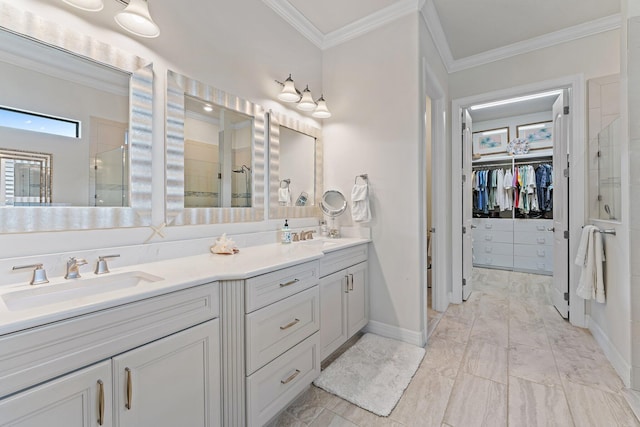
(205,340)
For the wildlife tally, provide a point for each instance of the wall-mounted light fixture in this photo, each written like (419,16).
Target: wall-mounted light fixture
(135,18)
(304,99)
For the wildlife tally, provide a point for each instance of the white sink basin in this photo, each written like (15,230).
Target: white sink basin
(319,243)
(41,295)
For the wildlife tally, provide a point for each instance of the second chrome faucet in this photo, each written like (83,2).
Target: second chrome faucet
(73,271)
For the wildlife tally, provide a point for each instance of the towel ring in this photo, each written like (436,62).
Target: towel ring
(364,176)
(286,183)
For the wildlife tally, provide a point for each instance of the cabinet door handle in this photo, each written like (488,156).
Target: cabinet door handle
(288,325)
(291,377)
(129,388)
(346,286)
(351,279)
(100,402)
(289,283)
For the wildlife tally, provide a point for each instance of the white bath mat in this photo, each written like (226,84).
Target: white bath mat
(373,373)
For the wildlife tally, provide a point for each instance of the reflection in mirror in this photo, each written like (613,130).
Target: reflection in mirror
(217,150)
(609,174)
(295,168)
(71,100)
(215,155)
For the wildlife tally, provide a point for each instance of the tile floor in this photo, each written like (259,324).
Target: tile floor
(503,358)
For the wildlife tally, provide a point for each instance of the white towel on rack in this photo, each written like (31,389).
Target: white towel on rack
(590,257)
(360,211)
(284,196)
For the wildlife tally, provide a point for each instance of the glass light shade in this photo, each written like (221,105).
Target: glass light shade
(321,111)
(289,92)
(88,5)
(306,103)
(136,19)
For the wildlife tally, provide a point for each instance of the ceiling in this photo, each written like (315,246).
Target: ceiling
(467,33)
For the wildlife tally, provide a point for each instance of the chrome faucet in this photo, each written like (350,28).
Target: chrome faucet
(39,274)
(72,267)
(307,235)
(101,265)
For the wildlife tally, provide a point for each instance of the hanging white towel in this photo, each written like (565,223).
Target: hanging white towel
(284,196)
(590,257)
(360,211)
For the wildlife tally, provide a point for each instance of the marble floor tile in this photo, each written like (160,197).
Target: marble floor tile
(361,417)
(443,357)
(486,360)
(450,328)
(311,403)
(533,364)
(531,334)
(524,310)
(592,407)
(477,402)
(491,331)
(328,418)
(585,370)
(425,400)
(565,339)
(532,404)
(285,419)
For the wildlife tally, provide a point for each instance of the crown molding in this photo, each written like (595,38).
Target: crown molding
(432,20)
(357,28)
(590,28)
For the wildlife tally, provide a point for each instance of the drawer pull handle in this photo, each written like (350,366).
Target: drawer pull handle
(290,324)
(289,283)
(540,227)
(541,240)
(488,226)
(351,279)
(129,389)
(488,238)
(100,402)
(291,377)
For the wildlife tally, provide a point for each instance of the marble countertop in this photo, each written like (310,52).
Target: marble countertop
(175,274)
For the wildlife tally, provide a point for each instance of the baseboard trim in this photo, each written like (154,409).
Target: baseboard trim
(395,332)
(617,361)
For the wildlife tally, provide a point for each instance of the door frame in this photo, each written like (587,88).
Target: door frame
(577,145)
(431,88)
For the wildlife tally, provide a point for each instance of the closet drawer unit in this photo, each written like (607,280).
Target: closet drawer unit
(274,329)
(339,260)
(533,264)
(490,260)
(490,248)
(532,225)
(493,224)
(271,287)
(533,251)
(544,238)
(274,386)
(497,236)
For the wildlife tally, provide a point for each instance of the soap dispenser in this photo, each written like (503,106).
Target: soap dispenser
(286,233)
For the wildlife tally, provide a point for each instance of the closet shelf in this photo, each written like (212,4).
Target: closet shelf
(508,157)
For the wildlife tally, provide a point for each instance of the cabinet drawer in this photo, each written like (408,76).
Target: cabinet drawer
(490,260)
(493,224)
(533,237)
(341,259)
(274,329)
(39,354)
(274,386)
(531,264)
(271,287)
(533,251)
(481,247)
(492,236)
(534,225)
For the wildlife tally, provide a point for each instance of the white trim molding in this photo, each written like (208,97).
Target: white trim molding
(617,360)
(395,332)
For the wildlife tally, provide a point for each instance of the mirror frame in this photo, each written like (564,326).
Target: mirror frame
(275,210)
(138,213)
(178,86)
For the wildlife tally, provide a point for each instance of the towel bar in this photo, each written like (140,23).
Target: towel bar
(364,177)
(611,231)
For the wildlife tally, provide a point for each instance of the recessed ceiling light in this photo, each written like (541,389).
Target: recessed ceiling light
(208,108)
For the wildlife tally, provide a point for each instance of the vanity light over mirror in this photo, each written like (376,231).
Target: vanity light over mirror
(215,155)
(295,168)
(68,156)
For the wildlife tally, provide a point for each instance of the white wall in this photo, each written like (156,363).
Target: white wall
(240,47)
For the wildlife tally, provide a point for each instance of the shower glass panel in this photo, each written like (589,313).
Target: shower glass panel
(112,178)
(25,178)
(201,183)
(609,174)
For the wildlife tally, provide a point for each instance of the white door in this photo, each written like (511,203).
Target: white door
(560,289)
(171,382)
(333,312)
(358,301)
(81,399)
(467,206)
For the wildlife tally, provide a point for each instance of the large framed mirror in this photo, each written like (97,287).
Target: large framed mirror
(75,130)
(215,155)
(295,168)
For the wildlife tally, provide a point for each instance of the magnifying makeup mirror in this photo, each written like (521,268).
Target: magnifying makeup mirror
(333,204)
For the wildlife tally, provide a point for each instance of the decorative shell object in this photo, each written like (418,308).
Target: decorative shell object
(224,246)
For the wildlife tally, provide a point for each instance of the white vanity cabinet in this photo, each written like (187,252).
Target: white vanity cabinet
(154,368)
(344,299)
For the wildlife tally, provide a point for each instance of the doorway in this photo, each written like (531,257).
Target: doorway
(565,226)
